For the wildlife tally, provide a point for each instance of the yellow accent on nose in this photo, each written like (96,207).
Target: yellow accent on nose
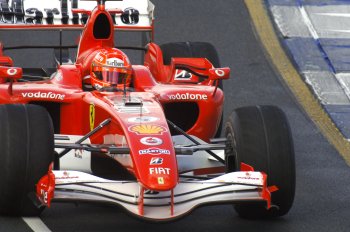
(92,117)
(147,129)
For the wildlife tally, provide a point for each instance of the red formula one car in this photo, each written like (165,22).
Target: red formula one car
(142,137)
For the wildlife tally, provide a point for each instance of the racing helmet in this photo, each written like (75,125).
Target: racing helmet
(110,67)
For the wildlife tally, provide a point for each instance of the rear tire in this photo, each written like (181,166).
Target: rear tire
(27,147)
(260,136)
(193,50)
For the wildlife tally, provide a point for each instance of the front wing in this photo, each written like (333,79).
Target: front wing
(235,187)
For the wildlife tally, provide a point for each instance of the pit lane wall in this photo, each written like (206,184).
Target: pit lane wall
(316,34)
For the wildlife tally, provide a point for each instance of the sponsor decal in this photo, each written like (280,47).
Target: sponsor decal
(138,107)
(78,153)
(50,16)
(154,151)
(97,86)
(115,62)
(182,75)
(11,71)
(247,176)
(156,161)
(143,119)
(92,116)
(159,171)
(48,95)
(34,12)
(44,194)
(130,16)
(148,129)
(220,72)
(160,180)
(66,175)
(188,96)
(151,141)
(131,109)
(100,57)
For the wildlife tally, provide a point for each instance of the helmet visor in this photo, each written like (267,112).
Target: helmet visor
(111,75)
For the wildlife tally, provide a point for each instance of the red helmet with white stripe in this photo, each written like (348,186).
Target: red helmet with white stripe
(110,67)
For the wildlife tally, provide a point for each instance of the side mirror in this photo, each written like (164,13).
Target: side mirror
(219,73)
(13,73)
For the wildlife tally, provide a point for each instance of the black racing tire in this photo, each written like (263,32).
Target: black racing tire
(193,50)
(27,147)
(260,136)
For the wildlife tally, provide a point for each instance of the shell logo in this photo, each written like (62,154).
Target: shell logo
(148,129)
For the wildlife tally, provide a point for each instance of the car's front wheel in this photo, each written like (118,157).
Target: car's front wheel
(260,136)
(27,146)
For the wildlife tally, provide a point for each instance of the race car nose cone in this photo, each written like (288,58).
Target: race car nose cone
(161,182)
(160,172)
(154,158)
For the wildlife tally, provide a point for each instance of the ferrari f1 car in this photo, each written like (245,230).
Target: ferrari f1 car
(142,137)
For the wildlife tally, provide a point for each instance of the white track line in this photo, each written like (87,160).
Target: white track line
(36,224)
(308,23)
(345,15)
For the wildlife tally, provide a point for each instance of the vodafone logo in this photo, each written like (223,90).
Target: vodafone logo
(48,95)
(220,73)
(12,71)
(188,96)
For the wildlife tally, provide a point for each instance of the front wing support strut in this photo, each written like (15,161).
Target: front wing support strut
(178,129)
(99,127)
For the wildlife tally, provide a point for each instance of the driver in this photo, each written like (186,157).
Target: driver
(110,68)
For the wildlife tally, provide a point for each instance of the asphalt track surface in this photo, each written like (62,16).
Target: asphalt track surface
(323,178)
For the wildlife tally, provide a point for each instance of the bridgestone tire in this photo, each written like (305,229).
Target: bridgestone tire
(193,50)
(27,146)
(260,136)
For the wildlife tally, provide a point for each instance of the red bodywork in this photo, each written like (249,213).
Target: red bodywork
(154,85)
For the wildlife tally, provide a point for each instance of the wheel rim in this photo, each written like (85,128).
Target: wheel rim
(231,153)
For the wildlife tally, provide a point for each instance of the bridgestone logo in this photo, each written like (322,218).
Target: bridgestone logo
(48,95)
(188,96)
